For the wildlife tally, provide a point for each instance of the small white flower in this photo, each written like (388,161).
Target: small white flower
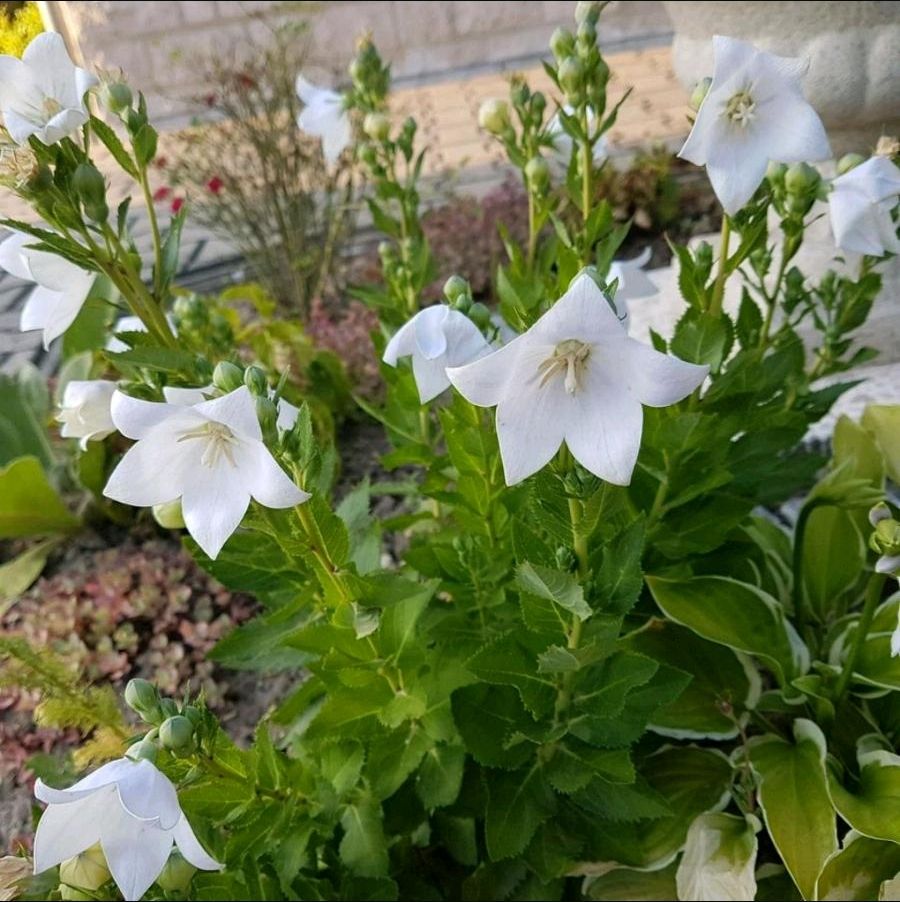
(84,412)
(719,859)
(861,203)
(324,117)
(575,377)
(42,94)
(562,140)
(62,288)
(754,113)
(132,810)
(633,282)
(210,455)
(174,394)
(436,338)
(130,324)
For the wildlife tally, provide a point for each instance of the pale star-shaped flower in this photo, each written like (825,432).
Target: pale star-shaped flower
(861,203)
(325,117)
(754,113)
(84,412)
(174,394)
(42,94)
(575,377)
(210,455)
(132,810)
(633,282)
(62,287)
(130,324)
(436,338)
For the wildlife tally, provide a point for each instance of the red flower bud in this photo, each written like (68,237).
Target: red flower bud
(215,185)
(177,204)
(161,194)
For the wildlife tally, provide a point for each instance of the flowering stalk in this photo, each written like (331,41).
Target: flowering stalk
(874,589)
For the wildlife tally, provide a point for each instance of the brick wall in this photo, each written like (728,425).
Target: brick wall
(155,42)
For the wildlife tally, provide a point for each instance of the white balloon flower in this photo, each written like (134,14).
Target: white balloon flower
(132,810)
(84,412)
(754,113)
(325,117)
(176,394)
(436,338)
(61,290)
(575,377)
(42,94)
(209,454)
(861,205)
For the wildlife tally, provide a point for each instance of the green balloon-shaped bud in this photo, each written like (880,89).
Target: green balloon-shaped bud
(176,876)
(537,173)
(176,733)
(87,870)
(480,315)
(169,515)
(141,696)
(562,43)
(801,178)
(571,75)
(698,95)
(227,376)
(377,126)
(456,287)
(493,116)
(849,161)
(255,380)
(145,750)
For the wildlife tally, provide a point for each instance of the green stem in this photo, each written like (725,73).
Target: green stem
(801,613)
(532,231)
(327,572)
(771,301)
(718,296)
(874,588)
(586,166)
(154,231)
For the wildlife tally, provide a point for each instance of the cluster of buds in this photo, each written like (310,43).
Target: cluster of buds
(458,293)
(174,726)
(795,187)
(581,72)
(885,540)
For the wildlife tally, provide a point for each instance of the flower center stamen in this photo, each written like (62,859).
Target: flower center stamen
(220,442)
(51,107)
(569,356)
(741,108)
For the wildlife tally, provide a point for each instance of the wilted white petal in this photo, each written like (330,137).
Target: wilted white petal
(146,794)
(402,343)
(187,397)
(431,377)
(191,849)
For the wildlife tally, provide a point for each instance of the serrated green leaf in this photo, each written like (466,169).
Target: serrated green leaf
(553,585)
(440,775)
(363,848)
(518,803)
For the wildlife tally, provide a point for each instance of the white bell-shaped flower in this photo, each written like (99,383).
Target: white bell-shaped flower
(210,455)
(575,377)
(754,113)
(62,287)
(325,117)
(132,810)
(861,205)
(176,394)
(436,338)
(84,412)
(42,94)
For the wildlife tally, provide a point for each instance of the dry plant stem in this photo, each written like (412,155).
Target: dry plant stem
(874,588)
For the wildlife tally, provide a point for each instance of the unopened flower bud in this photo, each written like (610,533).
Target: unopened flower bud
(463,303)
(71,894)
(537,173)
(87,870)
(587,34)
(176,733)
(116,96)
(480,315)
(145,750)
(538,104)
(801,178)
(849,161)
(775,173)
(586,11)
(267,414)
(169,707)
(455,287)
(886,537)
(169,515)
(141,696)
(227,376)
(176,876)
(562,43)
(698,95)
(255,380)
(571,75)
(90,186)
(377,126)
(193,714)
(493,116)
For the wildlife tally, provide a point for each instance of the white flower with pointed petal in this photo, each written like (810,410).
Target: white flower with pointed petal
(754,113)
(174,394)
(84,412)
(210,455)
(324,117)
(575,377)
(62,288)
(130,324)
(132,810)
(436,338)
(861,203)
(633,282)
(42,94)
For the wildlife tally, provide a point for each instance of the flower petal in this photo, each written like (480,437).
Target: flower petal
(213,503)
(465,342)
(58,274)
(135,418)
(38,308)
(604,435)
(888,564)
(52,68)
(190,847)
(583,312)
(431,377)
(109,773)
(187,397)
(12,257)
(136,851)
(484,382)
(67,830)
(146,793)
(237,410)
(801,136)
(267,482)
(402,343)
(429,328)
(656,379)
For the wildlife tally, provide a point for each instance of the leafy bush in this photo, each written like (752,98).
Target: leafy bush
(583,659)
